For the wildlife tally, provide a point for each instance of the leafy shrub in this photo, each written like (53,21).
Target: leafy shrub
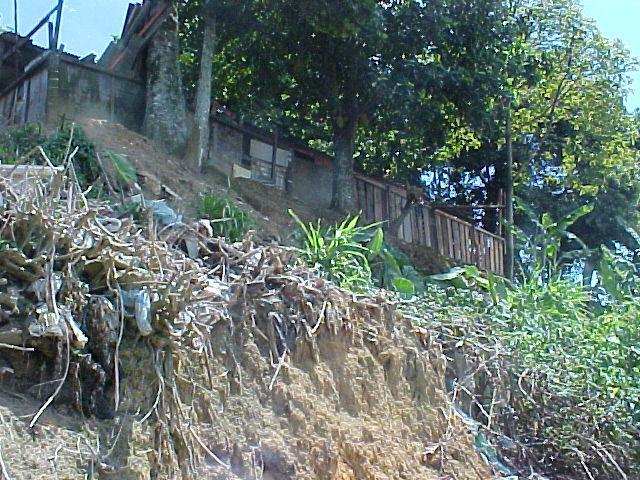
(341,251)
(393,271)
(125,172)
(227,219)
(565,356)
(19,141)
(67,139)
(357,257)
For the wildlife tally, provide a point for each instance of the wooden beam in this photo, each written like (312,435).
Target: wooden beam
(274,154)
(25,39)
(56,34)
(473,207)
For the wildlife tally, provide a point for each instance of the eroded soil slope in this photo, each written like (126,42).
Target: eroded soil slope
(266,206)
(235,363)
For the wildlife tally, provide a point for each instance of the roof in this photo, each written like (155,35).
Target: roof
(140,25)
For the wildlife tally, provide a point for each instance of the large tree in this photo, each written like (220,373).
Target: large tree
(205,25)
(349,75)
(576,141)
(573,140)
(198,144)
(166,116)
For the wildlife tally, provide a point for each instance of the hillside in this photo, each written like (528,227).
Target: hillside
(124,358)
(155,168)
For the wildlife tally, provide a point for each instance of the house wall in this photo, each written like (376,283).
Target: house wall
(26,102)
(311,182)
(87,90)
(73,89)
(226,148)
(235,152)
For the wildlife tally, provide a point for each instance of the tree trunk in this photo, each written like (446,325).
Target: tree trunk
(394,225)
(198,145)
(344,146)
(165,119)
(509,247)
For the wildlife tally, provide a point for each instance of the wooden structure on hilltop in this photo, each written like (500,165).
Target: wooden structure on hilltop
(40,84)
(240,149)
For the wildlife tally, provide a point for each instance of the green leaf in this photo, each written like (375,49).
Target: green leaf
(404,286)
(124,168)
(376,243)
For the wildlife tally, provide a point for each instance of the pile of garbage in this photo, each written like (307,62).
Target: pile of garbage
(78,280)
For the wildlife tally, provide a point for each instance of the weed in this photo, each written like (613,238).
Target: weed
(227,219)
(341,251)
(20,141)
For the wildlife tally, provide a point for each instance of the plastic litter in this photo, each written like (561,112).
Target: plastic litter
(140,301)
(162,212)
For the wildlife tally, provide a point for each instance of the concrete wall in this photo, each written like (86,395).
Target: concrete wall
(225,149)
(311,182)
(87,90)
(26,102)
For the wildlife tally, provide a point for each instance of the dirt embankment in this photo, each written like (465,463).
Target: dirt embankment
(238,364)
(266,206)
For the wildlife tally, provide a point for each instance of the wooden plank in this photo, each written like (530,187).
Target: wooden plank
(408,227)
(453,235)
(476,247)
(378,213)
(26,38)
(463,243)
(481,251)
(438,245)
(419,212)
(56,34)
(492,258)
(460,242)
(464,247)
(483,231)
(399,204)
(495,256)
(426,218)
(385,204)
(371,200)
(367,204)
(450,237)
(420,224)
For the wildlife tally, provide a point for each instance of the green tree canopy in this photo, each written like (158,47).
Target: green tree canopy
(386,82)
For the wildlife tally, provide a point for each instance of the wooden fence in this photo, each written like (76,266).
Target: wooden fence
(466,243)
(447,234)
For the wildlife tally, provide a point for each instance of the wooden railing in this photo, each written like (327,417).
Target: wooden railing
(449,235)
(466,243)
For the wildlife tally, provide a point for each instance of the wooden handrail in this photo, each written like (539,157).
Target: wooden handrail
(453,237)
(464,222)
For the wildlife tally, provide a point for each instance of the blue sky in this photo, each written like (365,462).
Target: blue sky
(620,19)
(87,25)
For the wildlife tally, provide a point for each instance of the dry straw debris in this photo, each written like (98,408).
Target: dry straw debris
(233,362)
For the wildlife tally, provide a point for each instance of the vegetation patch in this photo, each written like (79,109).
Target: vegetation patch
(66,142)
(227,219)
